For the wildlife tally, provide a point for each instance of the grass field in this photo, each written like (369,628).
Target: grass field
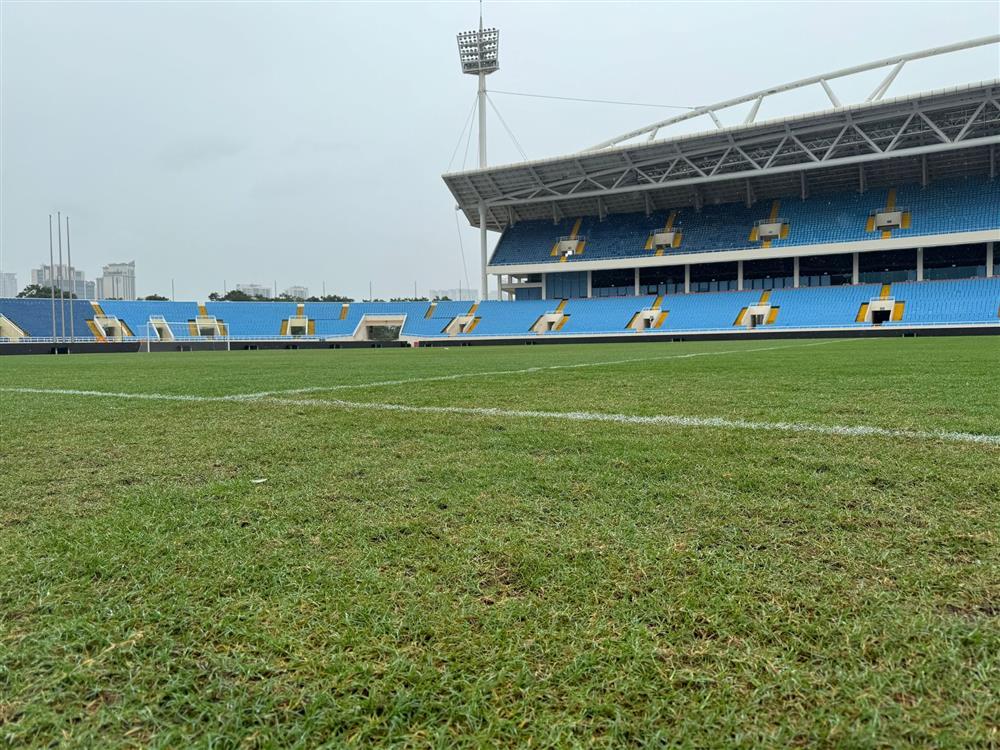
(449,575)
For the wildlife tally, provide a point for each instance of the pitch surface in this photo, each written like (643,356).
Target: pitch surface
(488,546)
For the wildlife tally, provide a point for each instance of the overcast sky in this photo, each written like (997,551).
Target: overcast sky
(300,143)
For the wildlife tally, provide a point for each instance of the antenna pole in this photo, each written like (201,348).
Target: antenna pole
(69,261)
(62,291)
(52,280)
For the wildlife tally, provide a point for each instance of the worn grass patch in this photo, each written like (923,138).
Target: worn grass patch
(432,579)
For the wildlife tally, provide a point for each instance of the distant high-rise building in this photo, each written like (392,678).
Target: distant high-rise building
(467,293)
(8,285)
(297,292)
(254,290)
(73,281)
(117,281)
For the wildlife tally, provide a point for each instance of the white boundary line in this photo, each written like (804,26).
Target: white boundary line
(523,371)
(576,416)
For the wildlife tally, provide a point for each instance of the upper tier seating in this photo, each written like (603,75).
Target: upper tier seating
(941,208)
(34,316)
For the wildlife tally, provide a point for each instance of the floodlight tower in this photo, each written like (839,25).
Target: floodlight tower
(479,53)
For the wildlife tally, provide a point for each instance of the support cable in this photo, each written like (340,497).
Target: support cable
(506,127)
(468,122)
(468,140)
(592,101)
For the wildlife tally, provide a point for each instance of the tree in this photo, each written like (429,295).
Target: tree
(36,291)
(330,298)
(156,298)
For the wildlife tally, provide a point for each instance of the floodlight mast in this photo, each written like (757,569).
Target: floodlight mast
(478,52)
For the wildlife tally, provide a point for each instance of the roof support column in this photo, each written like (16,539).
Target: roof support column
(989,260)
(484,280)
(923,171)
(795,272)
(861,178)
(687,278)
(920,264)
(637,281)
(739,275)
(855,271)
(590,284)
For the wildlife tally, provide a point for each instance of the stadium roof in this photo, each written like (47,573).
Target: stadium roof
(942,132)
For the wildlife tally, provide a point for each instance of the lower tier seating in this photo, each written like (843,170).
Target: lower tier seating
(34,316)
(924,303)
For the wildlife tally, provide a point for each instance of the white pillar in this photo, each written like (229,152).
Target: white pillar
(739,275)
(920,264)
(856,274)
(636,282)
(989,260)
(795,272)
(545,284)
(590,290)
(687,278)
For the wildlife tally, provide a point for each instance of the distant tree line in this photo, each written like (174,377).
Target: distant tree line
(37,291)
(234,295)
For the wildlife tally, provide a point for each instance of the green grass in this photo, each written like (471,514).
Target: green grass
(438,579)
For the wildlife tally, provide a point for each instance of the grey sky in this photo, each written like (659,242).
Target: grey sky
(303,142)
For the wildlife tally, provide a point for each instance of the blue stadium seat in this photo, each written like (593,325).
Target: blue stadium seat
(136,313)
(34,316)
(252,319)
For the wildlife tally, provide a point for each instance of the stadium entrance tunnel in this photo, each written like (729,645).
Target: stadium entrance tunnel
(206,326)
(464,323)
(879,311)
(644,320)
(757,315)
(110,328)
(551,321)
(379,328)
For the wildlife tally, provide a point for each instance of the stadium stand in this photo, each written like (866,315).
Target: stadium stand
(601,316)
(924,304)
(816,307)
(948,302)
(941,208)
(506,319)
(252,319)
(432,319)
(136,313)
(34,316)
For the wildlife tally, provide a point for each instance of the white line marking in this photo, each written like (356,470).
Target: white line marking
(524,371)
(575,416)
